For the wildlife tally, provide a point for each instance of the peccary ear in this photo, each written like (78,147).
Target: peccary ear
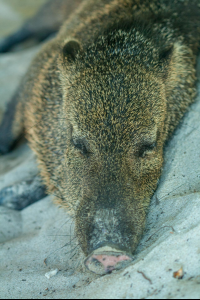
(70,51)
(165,57)
(165,54)
(174,63)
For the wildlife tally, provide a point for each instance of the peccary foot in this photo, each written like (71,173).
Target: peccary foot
(22,194)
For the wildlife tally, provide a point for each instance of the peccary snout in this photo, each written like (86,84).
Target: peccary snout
(107,259)
(107,236)
(108,244)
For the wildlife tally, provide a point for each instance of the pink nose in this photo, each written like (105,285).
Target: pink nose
(103,262)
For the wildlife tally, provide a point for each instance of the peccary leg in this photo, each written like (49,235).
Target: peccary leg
(46,22)
(11,126)
(22,194)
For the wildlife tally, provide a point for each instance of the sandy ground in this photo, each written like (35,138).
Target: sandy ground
(40,238)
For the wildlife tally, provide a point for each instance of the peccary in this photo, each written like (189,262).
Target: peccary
(98,104)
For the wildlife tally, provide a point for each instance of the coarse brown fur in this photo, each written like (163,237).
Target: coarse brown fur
(99,103)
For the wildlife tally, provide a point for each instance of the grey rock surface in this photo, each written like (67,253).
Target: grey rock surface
(40,238)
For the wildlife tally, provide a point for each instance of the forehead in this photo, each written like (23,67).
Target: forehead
(116,88)
(115,104)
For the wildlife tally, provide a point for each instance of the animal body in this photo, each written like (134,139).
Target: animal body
(98,104)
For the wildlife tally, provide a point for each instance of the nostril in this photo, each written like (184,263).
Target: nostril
(109,262)
(102,262)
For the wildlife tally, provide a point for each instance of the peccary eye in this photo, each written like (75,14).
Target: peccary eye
(144,149)
(80,144)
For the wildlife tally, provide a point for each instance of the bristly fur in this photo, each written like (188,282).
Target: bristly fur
(101,99)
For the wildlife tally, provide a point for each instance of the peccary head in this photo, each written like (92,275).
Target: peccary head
(117,114)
